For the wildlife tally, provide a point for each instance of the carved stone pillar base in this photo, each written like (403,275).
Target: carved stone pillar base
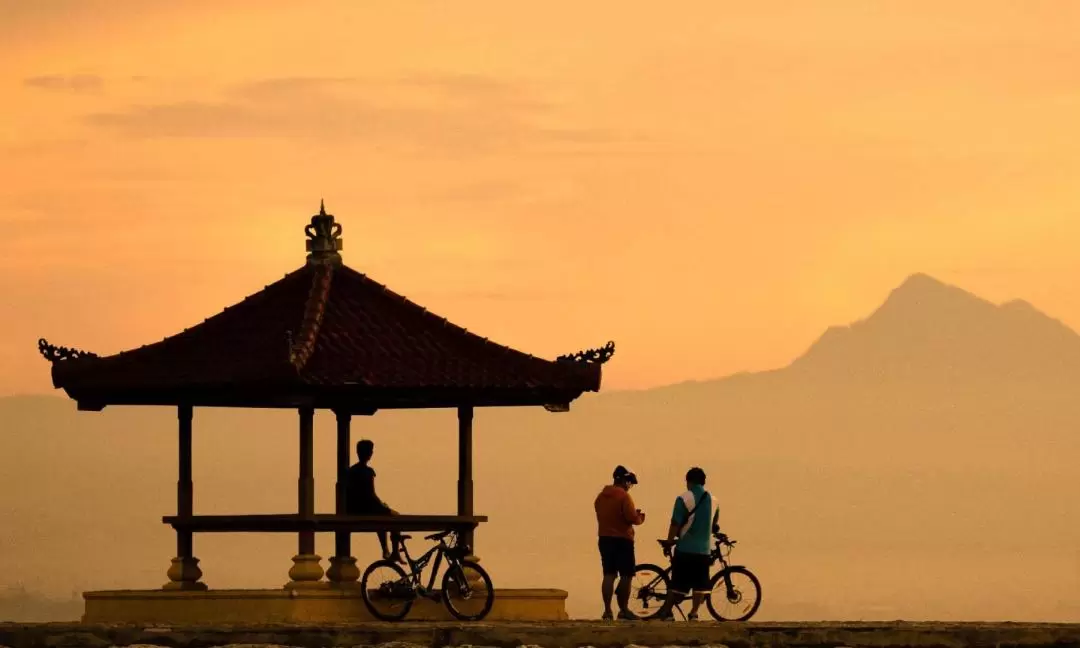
(184,574)
(343,572)
(473,578)
(306,572)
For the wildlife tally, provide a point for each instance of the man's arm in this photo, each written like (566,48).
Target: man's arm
(630,512)
(374,495)
(678,518)
(369,487)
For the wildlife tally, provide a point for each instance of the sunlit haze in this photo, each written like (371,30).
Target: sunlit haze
(711,186)
(834,243)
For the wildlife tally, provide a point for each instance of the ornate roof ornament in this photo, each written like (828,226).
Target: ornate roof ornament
(324,238)
(590,356)
(55,353)
(329,333)
(303,345)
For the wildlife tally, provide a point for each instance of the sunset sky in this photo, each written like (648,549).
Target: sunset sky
(710,184)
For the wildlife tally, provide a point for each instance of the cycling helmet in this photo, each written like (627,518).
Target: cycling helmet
(622,474)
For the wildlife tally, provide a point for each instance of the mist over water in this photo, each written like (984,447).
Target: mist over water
(918,465)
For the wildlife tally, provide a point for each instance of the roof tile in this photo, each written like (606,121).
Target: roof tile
(345,329)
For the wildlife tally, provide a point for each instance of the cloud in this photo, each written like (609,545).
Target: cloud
(496,295)
(473,193)
(66,83)
(454,114)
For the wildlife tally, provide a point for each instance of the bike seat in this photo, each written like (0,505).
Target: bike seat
(437,536)
(406,537)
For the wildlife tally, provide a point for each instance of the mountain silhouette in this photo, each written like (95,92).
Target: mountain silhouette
(931,332)
(901,461)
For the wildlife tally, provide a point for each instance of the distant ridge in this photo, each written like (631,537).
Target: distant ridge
(925,330)
(935,436)
(929,330)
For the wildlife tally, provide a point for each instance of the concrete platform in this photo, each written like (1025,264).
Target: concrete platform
(323,605)
(566,634)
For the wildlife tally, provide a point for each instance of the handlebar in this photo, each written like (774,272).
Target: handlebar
(719,537)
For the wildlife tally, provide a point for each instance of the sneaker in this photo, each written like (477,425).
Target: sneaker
(627,615)
(692,616)
(606,616)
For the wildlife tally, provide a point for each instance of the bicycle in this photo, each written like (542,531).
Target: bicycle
(741,589)
(461,582)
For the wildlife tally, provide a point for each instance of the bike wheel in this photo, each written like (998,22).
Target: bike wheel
(467,591)
(648,590)
(740,601)
(388,593)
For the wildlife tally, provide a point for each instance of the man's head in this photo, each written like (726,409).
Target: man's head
(364,450)
(695,477)
(623,478)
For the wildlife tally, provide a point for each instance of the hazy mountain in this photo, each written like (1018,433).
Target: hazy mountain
(917,464)
(930,331)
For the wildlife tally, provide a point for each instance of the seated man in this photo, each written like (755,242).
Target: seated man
(360,497)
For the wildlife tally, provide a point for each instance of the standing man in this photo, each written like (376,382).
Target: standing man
(616,516)
(689,534)
(360,497)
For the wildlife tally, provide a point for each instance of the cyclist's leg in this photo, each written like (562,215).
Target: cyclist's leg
(626,567)
(395,539)
(607,590)
(679,586)
(674,597)
(610,571)
(623,591)
(699,579)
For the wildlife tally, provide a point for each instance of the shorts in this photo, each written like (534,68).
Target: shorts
(617,556)
(690,571)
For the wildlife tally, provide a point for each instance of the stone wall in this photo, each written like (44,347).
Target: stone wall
(552,635)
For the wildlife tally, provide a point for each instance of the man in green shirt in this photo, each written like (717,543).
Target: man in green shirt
(689,533)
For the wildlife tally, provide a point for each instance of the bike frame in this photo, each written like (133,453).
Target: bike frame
(416,567)
(716,556)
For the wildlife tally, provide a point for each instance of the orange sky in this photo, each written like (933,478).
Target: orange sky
(711,186)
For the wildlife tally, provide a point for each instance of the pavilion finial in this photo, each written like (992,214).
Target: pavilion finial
(324,238)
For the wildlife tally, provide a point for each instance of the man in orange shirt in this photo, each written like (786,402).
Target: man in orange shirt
(615,520)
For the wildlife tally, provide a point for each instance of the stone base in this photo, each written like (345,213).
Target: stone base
(552,635)
(306,572)
(325,605)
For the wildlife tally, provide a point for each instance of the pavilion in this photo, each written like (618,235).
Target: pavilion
(323,337)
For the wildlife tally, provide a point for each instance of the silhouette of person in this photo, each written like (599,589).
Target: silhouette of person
(616,517)
(689,534)
(360,497)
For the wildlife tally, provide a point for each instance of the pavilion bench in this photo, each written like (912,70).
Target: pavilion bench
(185,573)
(293,523)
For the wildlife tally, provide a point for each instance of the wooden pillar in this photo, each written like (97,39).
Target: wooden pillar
(306,570)
(343,570)
(184,572)
(306,487)
(465,467)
